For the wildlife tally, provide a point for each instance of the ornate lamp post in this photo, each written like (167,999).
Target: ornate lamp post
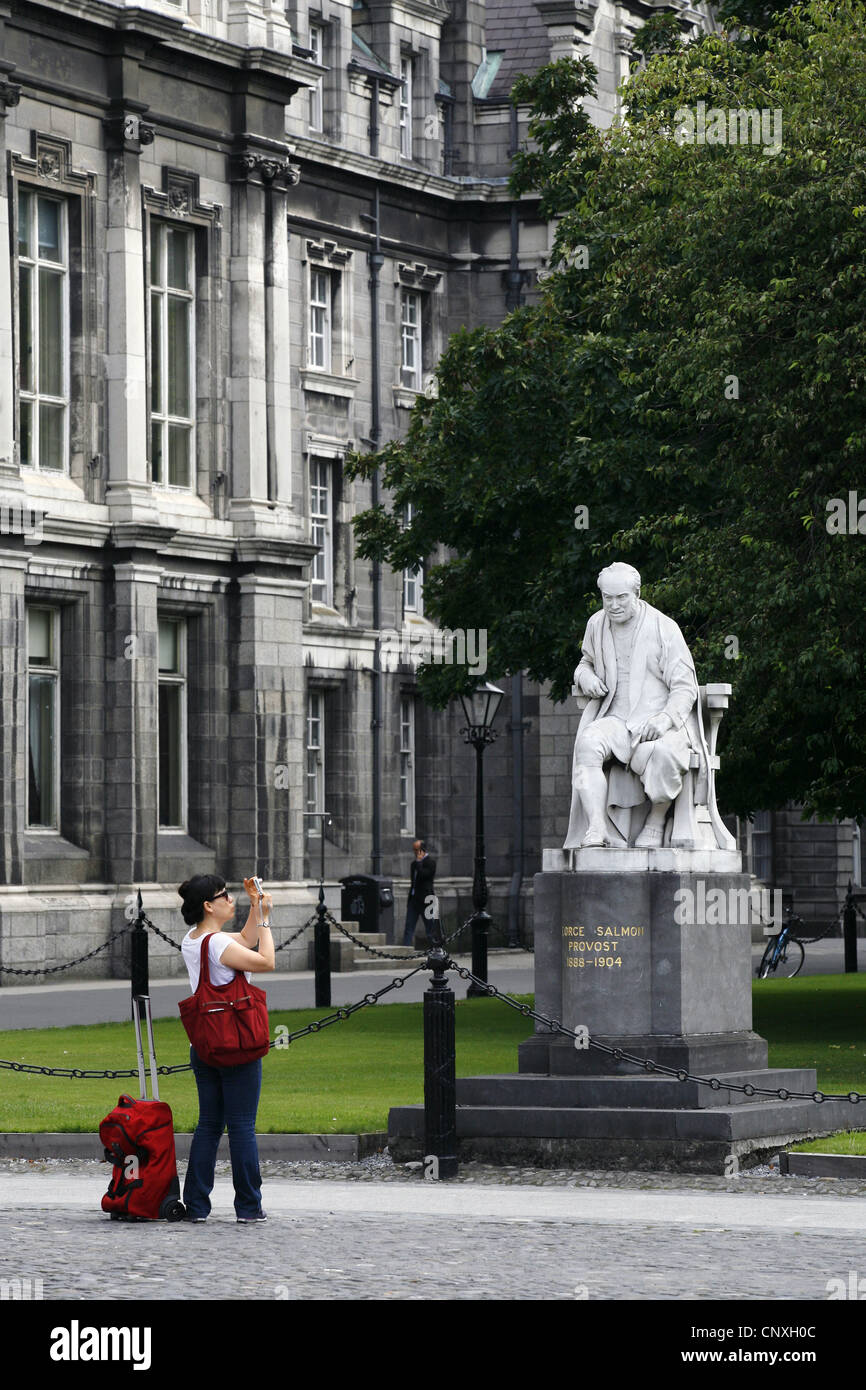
(479,711)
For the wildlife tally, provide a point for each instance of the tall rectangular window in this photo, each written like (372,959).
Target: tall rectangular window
(317,46)
(172,354)
(321,315)
(407,764)
(413,579)
(43,331)
(762,846)
(321,519)
(407,77)
(315,757)
(172,724)
(43,717)
(410,338)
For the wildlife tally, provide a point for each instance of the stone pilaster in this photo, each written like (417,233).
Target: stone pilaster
(132,725)
(128,492)
(259,24)
(259,368)
(13,715)
(9,96)
(279,384)
(460,53)
(569,25)
(267,728)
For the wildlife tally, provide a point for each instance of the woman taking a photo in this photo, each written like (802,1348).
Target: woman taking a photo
(227,1096)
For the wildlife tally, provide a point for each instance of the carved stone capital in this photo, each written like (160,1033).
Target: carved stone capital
(268,167)
(10,95)
(127,131)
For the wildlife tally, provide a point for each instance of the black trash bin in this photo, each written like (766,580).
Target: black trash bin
(368,899)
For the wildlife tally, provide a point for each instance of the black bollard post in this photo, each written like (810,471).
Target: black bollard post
(849,931)
(322,954)
(480,929)
(138,964)
(440,1071)
(322,931)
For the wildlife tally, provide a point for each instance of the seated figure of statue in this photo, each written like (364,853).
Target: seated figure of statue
(640,747)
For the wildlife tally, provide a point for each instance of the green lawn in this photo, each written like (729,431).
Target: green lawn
(340,1081)
(344,1079)
(817,1021)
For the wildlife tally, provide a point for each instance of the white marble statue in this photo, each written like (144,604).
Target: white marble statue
(640,748)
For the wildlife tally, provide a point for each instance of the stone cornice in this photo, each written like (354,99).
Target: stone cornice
(457,190)
(263,550)
(204,545)
(561,13)
(423,9)
(140,535)
(180,38)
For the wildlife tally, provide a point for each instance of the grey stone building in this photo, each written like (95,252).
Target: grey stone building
(239,236)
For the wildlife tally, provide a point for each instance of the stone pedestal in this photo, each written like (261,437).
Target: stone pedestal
(656,961)
(627,956)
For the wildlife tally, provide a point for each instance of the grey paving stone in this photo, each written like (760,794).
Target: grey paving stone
(348,1255)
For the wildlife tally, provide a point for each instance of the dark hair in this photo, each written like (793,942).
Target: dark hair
(198,890)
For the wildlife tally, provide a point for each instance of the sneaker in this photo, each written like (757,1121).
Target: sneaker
(195,1218)
(250,1220)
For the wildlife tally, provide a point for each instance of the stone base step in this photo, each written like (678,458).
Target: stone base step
(704,1054)
(555,1121)
(726,1122)
(627,1092)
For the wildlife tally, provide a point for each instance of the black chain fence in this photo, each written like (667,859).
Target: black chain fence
(284,1040)
(822,934)
(68,964)
(385,955)
(346,1010)
(145,920)
(582,1039)
(620,1055)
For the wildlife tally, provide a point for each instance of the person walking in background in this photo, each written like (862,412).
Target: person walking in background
(421,878)
(227,1096)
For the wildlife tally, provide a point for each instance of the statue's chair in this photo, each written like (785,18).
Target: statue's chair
(690,825)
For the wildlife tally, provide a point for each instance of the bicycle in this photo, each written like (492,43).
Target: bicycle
(785,953)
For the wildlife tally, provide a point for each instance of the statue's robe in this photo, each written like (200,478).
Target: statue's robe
(661,679)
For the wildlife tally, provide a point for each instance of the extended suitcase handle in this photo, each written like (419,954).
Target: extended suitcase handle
(137,1001)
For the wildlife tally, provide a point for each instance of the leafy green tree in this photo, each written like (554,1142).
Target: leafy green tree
(758,14)
(692,375)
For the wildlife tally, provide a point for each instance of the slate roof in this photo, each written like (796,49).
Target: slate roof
(364,58)
(515,28)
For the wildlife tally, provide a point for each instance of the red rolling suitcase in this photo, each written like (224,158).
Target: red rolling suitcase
(138,1138)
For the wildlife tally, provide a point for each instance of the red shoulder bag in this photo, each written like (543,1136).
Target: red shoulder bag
(226,1024)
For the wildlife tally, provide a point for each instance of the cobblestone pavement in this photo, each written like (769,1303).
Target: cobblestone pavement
(336,1231)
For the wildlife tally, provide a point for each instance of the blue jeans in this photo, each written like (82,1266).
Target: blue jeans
(227,1096)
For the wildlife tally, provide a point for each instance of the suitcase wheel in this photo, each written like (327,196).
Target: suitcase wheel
(172,1209)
